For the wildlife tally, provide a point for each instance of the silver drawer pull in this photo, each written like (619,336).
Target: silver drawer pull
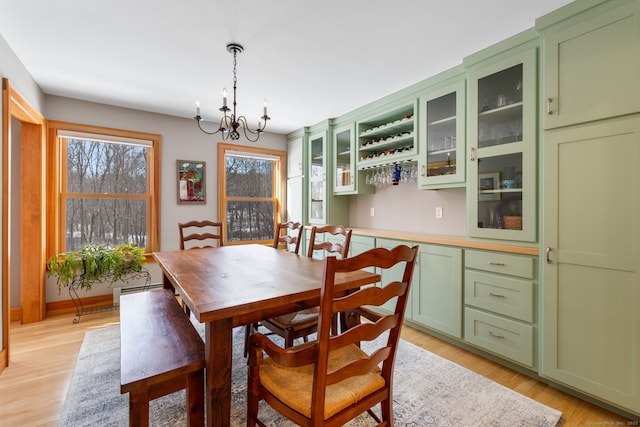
(491,334)
(499,264)
(491,294)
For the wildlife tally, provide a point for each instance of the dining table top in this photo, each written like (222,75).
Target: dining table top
(249,283)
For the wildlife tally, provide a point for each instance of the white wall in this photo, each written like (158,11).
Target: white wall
(405,208)
(181,140)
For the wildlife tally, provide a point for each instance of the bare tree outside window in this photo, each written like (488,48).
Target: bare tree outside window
(250,205)
(251,179)
(106,196)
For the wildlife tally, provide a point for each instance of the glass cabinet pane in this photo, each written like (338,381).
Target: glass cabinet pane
(441,135)
(500,108)
(500,192)
(317,179)
(344,172)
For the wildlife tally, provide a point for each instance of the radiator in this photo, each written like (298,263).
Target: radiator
(130,290)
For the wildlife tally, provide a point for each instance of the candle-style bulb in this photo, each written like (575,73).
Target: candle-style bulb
(224,97)
(197,108)
(265,107)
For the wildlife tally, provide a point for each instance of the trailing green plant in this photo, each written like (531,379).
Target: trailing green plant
(96,263)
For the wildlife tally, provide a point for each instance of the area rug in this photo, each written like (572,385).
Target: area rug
(428,391)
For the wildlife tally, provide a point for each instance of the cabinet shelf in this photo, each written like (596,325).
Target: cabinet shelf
(389,143)
(399,125)
(446,121)
(389,159)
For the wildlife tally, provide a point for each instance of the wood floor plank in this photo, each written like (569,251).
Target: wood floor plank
(43,357)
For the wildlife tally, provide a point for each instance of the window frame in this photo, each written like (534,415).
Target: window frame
(56,175)
(279,185)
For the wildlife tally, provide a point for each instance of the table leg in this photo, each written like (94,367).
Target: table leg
(218,354)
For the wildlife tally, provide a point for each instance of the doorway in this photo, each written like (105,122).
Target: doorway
(29,183)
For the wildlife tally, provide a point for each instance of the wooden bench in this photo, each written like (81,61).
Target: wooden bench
(160,353)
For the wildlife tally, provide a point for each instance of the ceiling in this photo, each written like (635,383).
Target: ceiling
(310,59)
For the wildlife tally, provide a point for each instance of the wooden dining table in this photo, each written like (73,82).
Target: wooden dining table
(230,286)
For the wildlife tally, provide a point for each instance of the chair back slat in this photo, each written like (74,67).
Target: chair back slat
(340,249)
(207,234)
(288,239)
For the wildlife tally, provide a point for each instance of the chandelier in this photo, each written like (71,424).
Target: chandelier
(229,124)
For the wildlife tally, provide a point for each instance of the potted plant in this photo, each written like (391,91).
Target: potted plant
(95,264)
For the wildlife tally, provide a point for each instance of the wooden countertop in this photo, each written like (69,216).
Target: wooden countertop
(442,239)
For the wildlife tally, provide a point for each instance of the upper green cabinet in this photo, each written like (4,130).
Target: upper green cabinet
(591,63)
(323,207)
(502,141)
(344,156)
(346,178)
(317,173)
(441,159)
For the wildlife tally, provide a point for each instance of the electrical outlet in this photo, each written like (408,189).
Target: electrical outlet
(373,212)
(439,212)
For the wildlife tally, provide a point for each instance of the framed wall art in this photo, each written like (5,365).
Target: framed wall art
(191,180)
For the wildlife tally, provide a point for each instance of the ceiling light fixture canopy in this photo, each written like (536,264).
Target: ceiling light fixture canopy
(229,124)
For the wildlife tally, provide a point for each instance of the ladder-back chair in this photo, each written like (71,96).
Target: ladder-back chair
(331,380)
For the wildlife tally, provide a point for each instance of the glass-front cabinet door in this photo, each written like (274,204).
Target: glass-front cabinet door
(502,141)
(442,138)
(317,178)
(344,159)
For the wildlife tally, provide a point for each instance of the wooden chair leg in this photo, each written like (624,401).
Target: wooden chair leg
(252,396)
(195,399)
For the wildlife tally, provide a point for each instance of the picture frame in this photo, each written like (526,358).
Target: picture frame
(191,182)
(488,184)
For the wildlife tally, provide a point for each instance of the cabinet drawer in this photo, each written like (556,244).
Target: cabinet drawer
(499,262)
(504,337)
(503,295)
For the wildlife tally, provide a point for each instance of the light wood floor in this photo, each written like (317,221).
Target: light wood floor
(43,355)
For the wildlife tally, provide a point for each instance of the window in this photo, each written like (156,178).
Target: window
(105,191)
(251,192)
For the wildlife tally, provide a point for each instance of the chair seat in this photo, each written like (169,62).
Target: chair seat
(298,320)
(294,386)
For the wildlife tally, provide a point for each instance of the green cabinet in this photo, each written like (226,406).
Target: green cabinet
(591,296)
(502,180)
(395,273)
(441,157)
(500,304)
(591,63)
(344,159)
(323,207)
(437,289)
(591,200)
(317,172)
(346,178)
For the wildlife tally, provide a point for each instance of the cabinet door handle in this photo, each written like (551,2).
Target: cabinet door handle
(497,264)
(548,255)
(423,170)
(491,334)
(472,154)
(549,106)
(491,294)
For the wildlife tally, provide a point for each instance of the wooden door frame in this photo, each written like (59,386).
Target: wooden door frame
(33,150)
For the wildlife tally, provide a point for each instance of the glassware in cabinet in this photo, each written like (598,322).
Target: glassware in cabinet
(442,137)
(317,178)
